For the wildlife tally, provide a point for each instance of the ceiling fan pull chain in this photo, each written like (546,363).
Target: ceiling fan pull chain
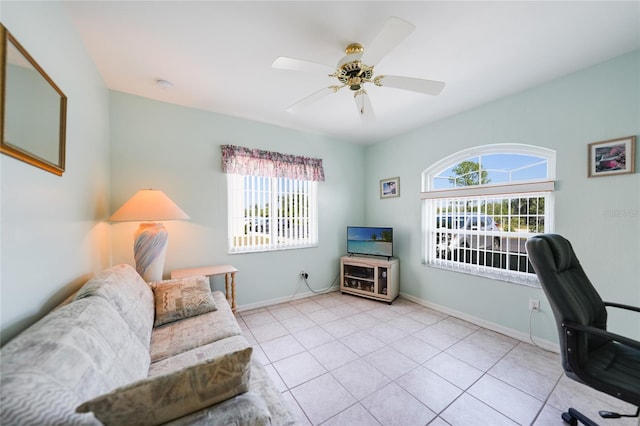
(361,94)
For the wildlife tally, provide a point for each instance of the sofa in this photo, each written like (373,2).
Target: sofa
(122,351)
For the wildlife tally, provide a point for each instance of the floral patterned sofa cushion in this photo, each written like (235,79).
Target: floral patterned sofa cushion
(77,352)
(178,386)
(262,405)
(176,337)
(129,294)
(182,298)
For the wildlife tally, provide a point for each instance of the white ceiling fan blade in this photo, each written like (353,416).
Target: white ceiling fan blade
(365,109)
(308,100)
(293,64)
(430,87)
(393,32)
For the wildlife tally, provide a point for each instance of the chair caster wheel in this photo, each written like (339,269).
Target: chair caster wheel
(568,418)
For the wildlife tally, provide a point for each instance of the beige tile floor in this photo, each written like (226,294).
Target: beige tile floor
(344,360)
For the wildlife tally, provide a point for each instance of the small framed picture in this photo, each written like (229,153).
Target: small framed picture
(390,187)
(612,157)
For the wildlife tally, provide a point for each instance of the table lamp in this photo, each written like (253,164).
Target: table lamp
(150,240)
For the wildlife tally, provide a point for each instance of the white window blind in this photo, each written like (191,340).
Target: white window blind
(271,213)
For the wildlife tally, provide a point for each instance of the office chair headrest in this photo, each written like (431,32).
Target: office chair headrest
(561,249)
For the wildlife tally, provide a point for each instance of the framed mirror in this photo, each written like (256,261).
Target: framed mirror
(33,110)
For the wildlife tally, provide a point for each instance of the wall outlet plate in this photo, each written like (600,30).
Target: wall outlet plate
(534,305)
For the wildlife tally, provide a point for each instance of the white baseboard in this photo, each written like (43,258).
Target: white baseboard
(518,335)
(279,300)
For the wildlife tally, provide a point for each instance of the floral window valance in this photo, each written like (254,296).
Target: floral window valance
(255,162)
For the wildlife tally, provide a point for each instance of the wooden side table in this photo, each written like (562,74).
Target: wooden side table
(228,271)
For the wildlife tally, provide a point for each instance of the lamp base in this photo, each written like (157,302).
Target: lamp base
(150,249)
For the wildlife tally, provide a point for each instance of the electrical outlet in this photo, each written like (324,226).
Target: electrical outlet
(304,275)
(534,305)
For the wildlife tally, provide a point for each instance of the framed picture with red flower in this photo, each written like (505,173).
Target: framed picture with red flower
(612,157)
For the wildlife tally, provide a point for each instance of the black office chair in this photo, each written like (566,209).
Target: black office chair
(590,354)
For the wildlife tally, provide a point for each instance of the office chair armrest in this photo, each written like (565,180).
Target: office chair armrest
(621,306)
(602,333)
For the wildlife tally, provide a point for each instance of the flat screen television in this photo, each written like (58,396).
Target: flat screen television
(366,240)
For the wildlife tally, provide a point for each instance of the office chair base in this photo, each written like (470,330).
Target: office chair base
(574,416)
(612,415)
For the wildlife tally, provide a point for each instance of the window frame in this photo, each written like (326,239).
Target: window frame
(278,237)
(538,187)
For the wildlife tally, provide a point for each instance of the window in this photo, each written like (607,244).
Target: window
(480,206)
(272,200)
(271,213)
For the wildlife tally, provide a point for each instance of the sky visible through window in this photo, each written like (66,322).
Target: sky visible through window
(500,168)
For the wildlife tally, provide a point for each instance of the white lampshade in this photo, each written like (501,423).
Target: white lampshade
(150,240)
(149,205)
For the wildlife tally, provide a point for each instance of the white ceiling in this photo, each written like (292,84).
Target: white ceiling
(218,55)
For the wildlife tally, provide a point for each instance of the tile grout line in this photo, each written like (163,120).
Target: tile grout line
(382,319)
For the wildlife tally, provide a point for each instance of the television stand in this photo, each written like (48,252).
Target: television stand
(374,278)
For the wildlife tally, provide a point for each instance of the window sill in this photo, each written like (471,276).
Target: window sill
(528,280)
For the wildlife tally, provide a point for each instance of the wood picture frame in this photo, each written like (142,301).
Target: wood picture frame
(612,157)
(33,109)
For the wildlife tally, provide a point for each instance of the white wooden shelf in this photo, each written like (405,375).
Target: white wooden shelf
(374,278)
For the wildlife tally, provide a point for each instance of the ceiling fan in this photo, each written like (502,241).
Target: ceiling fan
(357,69)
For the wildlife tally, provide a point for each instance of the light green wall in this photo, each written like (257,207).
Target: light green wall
(601,216)
(177,150)
(52,230)
(54,233)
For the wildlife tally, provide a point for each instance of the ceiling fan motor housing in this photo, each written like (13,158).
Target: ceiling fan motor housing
(354,74)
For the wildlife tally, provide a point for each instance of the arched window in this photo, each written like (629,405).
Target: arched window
(481,204)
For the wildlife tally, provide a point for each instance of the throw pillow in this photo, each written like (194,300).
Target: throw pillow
(179,299)
(159,399)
